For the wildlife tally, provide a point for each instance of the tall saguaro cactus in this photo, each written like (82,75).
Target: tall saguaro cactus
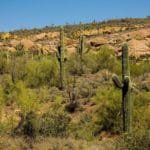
(61,58)
(125,86)
(80,51)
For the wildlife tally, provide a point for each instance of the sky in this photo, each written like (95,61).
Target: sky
(27,14)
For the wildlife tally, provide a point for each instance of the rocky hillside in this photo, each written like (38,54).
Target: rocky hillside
(136,32)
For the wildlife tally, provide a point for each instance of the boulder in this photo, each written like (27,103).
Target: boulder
(98,41)
(27,44)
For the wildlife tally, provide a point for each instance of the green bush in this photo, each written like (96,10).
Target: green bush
(43,72)
(141,112)
(105,58)
(135,141)
(90,62)
(25,98)
(3,65)
(73,65)
(85,128)
(1,101)
(140,68)
(109,109)
(8,88)
(43,94)
(54,123)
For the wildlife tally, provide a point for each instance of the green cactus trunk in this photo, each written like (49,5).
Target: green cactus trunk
(80,52)
(61,59)
(125,86)
(127,119)
(12,67)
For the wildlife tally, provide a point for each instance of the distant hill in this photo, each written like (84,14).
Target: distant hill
(134,31)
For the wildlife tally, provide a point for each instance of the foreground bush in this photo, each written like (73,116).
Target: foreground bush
(54,124)
(135,141)
(109,109)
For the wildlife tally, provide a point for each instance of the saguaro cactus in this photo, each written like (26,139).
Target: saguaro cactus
(125,86)
(80,51)
(61,58)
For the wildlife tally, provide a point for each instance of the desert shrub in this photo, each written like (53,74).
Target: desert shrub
(105,58)
(18,67)
(25,98)
(90,62)
(141,111)
(48,71)
(108,113)
(73,65)
(54,123)
(27,126)
(43,94)
(44,72)
(1,101)
(136,141)
(8,88)
(3,63)
(85,128)
(32,74)
(140,68)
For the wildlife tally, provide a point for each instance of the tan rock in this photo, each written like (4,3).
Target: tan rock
(14,43)
(27,44)
(10,49)
(53,34)
(139,34)
(40,36)
(138,47)
(1,44)
(98,41)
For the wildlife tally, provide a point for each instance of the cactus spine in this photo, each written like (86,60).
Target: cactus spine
(125,86)
(80,52)
(61,58)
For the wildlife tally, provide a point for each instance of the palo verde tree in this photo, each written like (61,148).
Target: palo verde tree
(125,86)
(61,56)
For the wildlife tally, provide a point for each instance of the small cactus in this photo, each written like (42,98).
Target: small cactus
(125,86)
(62,59)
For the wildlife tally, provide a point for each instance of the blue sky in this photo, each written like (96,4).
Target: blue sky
(17,14)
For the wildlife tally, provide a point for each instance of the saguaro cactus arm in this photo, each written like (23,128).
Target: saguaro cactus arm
(116,81)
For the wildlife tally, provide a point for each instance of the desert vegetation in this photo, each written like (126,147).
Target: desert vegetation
(67,100)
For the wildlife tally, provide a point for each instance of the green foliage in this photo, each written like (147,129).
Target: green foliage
(54,123)
(109,109)
(1,101)
(8,88)
(135,141)
(105,58)
(17,65)
(141,112)
(85,128)
(25,98)
(90,62)
(72,65)
(43,94)
(40,73)
(140,68)
(3,63)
